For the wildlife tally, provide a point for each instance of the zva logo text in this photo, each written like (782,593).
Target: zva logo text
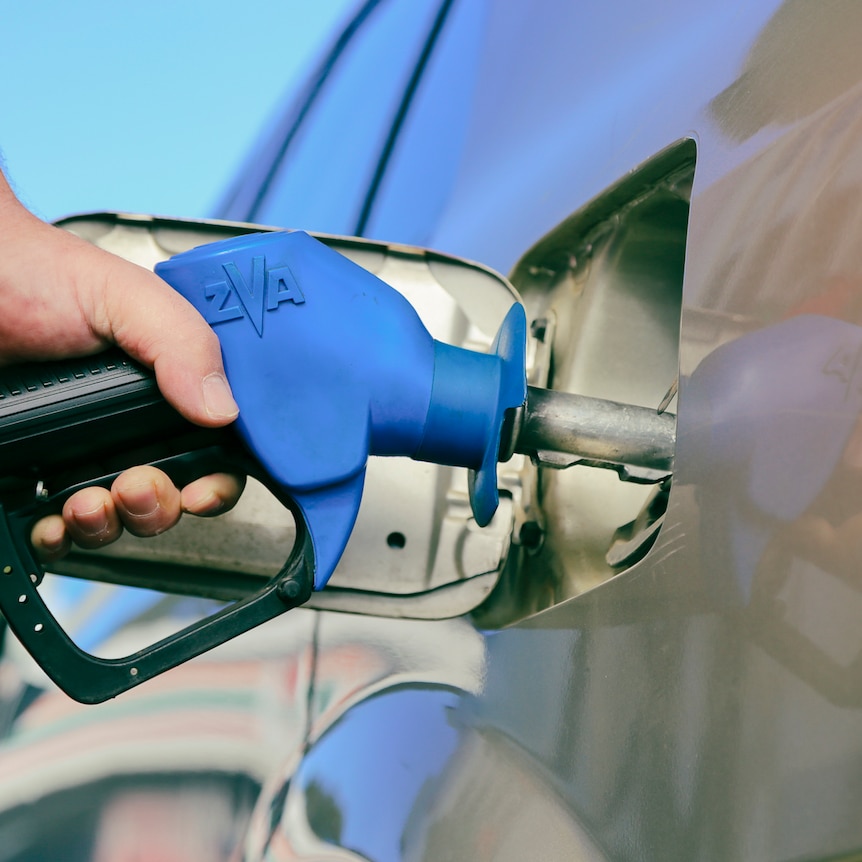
(239,297)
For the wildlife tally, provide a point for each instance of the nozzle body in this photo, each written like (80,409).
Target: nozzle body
(329,365)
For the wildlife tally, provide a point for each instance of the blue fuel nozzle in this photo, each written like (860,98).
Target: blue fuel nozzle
(329,365)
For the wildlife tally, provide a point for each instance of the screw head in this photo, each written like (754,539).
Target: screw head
(290,590)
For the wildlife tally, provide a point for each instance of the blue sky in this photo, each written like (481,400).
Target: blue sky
(145,106)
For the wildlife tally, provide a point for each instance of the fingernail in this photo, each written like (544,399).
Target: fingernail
(206,503)
(53,541)
(218,400)
(51,553)
(139,501)
(92,523)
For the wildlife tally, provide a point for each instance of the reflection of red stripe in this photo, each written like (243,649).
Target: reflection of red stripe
(343,671)
(279,847)
(195,729)
(244,676)
(234,716)
(55,705)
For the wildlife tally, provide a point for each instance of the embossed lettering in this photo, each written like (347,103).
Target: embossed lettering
(281,286)
(251,297)
(266,290)
(217,310)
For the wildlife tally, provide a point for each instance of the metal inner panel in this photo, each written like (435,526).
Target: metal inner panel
(608,281)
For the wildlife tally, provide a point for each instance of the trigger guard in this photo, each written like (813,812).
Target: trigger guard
(91,679)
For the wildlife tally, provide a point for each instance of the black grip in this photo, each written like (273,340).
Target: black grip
(55,415)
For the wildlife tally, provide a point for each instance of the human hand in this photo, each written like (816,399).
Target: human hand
(61,296)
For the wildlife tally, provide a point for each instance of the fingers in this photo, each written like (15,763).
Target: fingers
(91,518)
(212,495)
(142,500)
(50,539)
(146,501)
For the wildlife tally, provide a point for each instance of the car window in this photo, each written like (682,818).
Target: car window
(316,172)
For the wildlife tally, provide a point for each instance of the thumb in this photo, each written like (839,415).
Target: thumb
(151,322)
